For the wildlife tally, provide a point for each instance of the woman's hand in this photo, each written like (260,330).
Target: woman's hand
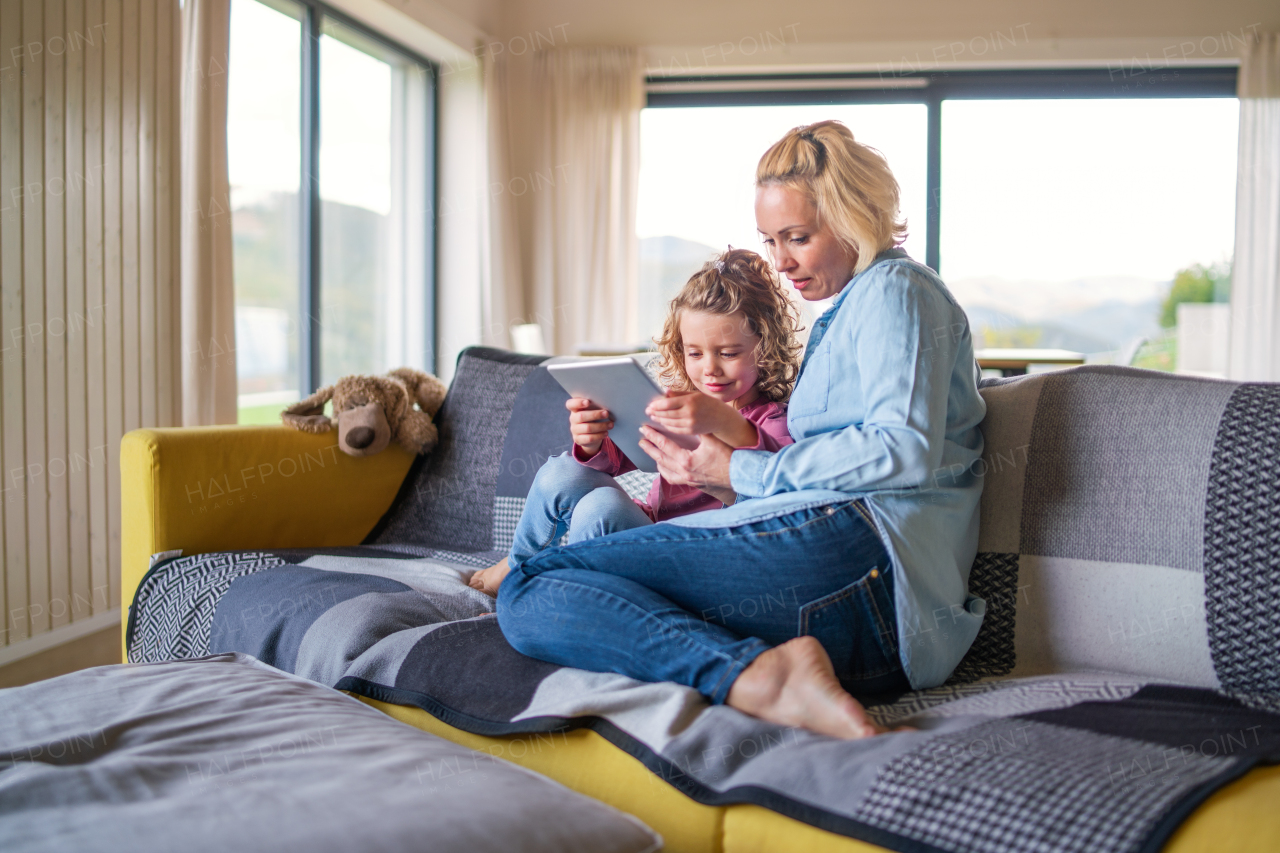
(588,425)
(695,413)
(706,466)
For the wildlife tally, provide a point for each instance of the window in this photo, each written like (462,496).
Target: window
(1065,222)
(1065,209)
(331,154)
(697,171)
(264,149)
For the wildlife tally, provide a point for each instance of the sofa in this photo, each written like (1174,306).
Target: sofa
(1127,541)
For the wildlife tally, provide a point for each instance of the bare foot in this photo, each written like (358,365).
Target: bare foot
(794,684)
(488,580)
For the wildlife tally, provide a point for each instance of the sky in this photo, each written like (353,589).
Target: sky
(697,166)
(1073,189)
(263,113)
(263,117)
(1031,190)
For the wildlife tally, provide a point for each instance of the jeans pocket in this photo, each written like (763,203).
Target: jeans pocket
(857,626)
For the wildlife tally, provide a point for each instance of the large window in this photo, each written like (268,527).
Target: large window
(697,172)
(1066,222)
(1063,209)
(330,134)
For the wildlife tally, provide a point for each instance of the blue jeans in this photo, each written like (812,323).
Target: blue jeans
(697,605)
(568,497)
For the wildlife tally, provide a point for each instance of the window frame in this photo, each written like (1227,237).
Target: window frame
(313,15)
(1126,80)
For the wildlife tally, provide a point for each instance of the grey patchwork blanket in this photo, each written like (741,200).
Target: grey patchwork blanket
(1088,762)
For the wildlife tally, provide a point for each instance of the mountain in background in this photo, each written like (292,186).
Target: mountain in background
(1042,299)
(353,291)
(1090,315)
(994,328)
(1118,323)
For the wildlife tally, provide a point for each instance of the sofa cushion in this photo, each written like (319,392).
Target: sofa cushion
(503,418)
(1129,525)
(227,753)
(447,498)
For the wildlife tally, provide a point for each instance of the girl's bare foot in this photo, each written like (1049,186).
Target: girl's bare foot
(794,684)
(488,580)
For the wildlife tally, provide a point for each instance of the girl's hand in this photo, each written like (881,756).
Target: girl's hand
(690,413)
(588,424)
(695,413)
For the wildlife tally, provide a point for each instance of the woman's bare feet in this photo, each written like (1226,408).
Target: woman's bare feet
(794,684)
(488,580)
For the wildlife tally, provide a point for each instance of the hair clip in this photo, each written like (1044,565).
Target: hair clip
(719,262)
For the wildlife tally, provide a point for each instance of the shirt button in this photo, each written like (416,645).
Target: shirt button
(831,510)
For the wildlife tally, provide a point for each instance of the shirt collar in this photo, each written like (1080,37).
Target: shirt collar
(886,255)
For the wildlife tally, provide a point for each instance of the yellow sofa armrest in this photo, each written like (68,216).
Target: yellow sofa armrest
(226,488)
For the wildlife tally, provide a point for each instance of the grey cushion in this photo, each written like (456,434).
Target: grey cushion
(447,498)
(503,418)
(225,753)
(1130,523)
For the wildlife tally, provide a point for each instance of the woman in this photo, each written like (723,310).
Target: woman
(842,567)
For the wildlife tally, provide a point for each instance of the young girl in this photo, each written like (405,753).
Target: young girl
(729,356)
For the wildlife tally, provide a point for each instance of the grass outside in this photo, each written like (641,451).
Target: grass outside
(1159,353)
(269,414)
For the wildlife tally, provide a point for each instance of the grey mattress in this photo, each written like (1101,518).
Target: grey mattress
(225,753)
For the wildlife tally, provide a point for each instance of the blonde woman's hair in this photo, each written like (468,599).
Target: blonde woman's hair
(849,184)
(738,281)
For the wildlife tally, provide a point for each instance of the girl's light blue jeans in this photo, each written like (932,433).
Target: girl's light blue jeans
(665,602)
(568,497)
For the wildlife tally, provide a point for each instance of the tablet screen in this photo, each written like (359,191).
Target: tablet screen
(621,386)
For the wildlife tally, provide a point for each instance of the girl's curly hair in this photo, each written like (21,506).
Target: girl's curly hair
(739,281)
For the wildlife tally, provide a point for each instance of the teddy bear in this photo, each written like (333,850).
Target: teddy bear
(371,411)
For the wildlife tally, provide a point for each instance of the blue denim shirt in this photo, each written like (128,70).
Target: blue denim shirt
(887,409)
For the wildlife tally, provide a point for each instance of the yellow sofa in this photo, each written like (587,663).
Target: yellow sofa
(228,488)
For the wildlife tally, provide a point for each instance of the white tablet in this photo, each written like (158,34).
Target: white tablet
(621,387)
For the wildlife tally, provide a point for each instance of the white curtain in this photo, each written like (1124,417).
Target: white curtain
(208,289)
(1255,280)
(564,156)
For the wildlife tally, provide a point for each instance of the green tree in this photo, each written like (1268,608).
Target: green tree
(1196,283)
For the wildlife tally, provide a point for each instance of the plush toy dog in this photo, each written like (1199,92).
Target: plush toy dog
(370,411)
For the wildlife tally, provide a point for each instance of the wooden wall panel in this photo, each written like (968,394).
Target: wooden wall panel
(33,341)
(13,453)
(55,309)
(168,319)
(88,293)
(146,212)
(78,314)
(95,275)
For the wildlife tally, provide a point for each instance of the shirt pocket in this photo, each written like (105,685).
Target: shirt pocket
(813,389)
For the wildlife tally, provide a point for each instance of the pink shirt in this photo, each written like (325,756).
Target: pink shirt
(669,501)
